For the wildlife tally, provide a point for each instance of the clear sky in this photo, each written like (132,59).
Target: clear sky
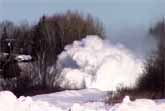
(109,11)
(119,16)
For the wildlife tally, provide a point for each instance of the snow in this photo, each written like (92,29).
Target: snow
(93,63)
(68,98)
(139,105)
(9,102)
(23,58)
(80,100)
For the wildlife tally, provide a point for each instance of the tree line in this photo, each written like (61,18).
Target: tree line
(153,79)
(43,40)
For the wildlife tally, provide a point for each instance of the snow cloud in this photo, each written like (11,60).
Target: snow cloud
(94,63)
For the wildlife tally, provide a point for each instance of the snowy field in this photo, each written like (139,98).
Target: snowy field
(82,100)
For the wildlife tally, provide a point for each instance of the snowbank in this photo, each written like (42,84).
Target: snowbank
(61,101)
(138,105)
(93,63)
(9,102)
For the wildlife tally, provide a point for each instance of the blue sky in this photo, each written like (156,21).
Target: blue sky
(125,20)
(109,11)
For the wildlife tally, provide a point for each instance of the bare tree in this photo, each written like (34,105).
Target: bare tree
(46,47)
(154,74)
(159,33)
(75,26)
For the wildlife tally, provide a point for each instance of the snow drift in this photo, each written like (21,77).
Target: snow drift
(94,63)
(66,99)
(9,102)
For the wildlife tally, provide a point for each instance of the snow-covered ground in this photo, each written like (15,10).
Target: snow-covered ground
(68,98)
(80,100)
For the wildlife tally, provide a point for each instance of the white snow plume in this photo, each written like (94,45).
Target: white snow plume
(93,63)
